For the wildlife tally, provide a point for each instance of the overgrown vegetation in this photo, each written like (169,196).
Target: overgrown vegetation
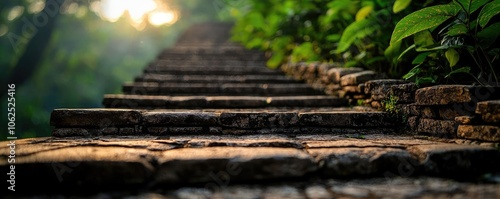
(447,41)
(453,38)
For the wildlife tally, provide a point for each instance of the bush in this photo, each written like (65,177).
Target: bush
(360,33)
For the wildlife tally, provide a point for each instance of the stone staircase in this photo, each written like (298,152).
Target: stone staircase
(207,119)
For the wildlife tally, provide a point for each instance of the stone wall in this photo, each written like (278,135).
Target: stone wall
(463,111)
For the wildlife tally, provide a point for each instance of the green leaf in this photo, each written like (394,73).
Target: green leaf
(414,71)
(489,35)
(452,56)
(489,11)
(276,60)
(363,13)
(256,20)
(460,70)
(356,30)
(400,5)
(457,29)
(392,51)
(425,80)
(476,4)
(333,37)
(406,51)
(423,19)
(420,58)
(255,42)
(423,39)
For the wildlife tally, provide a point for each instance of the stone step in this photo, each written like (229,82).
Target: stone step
(86,165)
(96,122)
(216,79)
(210,63)
(169,102)
(182,89)
(227,49)
(205,70)
(213,56)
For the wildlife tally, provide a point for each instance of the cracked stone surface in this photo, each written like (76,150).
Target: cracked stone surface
(146,162)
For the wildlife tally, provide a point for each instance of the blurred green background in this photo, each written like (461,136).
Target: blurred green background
(71,58)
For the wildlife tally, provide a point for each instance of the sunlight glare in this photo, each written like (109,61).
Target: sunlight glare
(15,12)
(157,13)
(159,18)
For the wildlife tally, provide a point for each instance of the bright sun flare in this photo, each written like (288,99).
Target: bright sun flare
(156,13)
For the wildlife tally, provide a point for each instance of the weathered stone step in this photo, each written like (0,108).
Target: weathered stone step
(216,78)
(97,122)
(135,163)
(211,65)
(226,49)
(213,56)
(205,70)
(169,102)
(233,64)
(153,88)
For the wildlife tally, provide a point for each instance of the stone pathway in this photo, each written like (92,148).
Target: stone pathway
(208,120)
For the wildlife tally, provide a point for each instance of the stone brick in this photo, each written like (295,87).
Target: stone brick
(163,118)
(489,111)
(437,127)
(449,94)
(248,120)
(359,161)
(69,132)
(280,143)
(376,104)
(448,113)
(99,118)
(457,161)
(347,119)
(234,163)
(428,112)
(479,132)
(87,166)
(335,74)
(342,143)
(383,89)
(351,89)
(355,79)
(413,122)
(465,119)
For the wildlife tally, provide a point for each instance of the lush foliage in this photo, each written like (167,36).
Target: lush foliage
(453,40)
(371,34)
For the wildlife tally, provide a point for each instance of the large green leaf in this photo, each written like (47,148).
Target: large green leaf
(423,39)
(489,11)
(400,5)
(457,29)
(472,5)
(420,58)
(356,30)
(452,56)
(422,20)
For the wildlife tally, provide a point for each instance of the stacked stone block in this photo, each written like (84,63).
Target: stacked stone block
(484,125)
(334,80)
